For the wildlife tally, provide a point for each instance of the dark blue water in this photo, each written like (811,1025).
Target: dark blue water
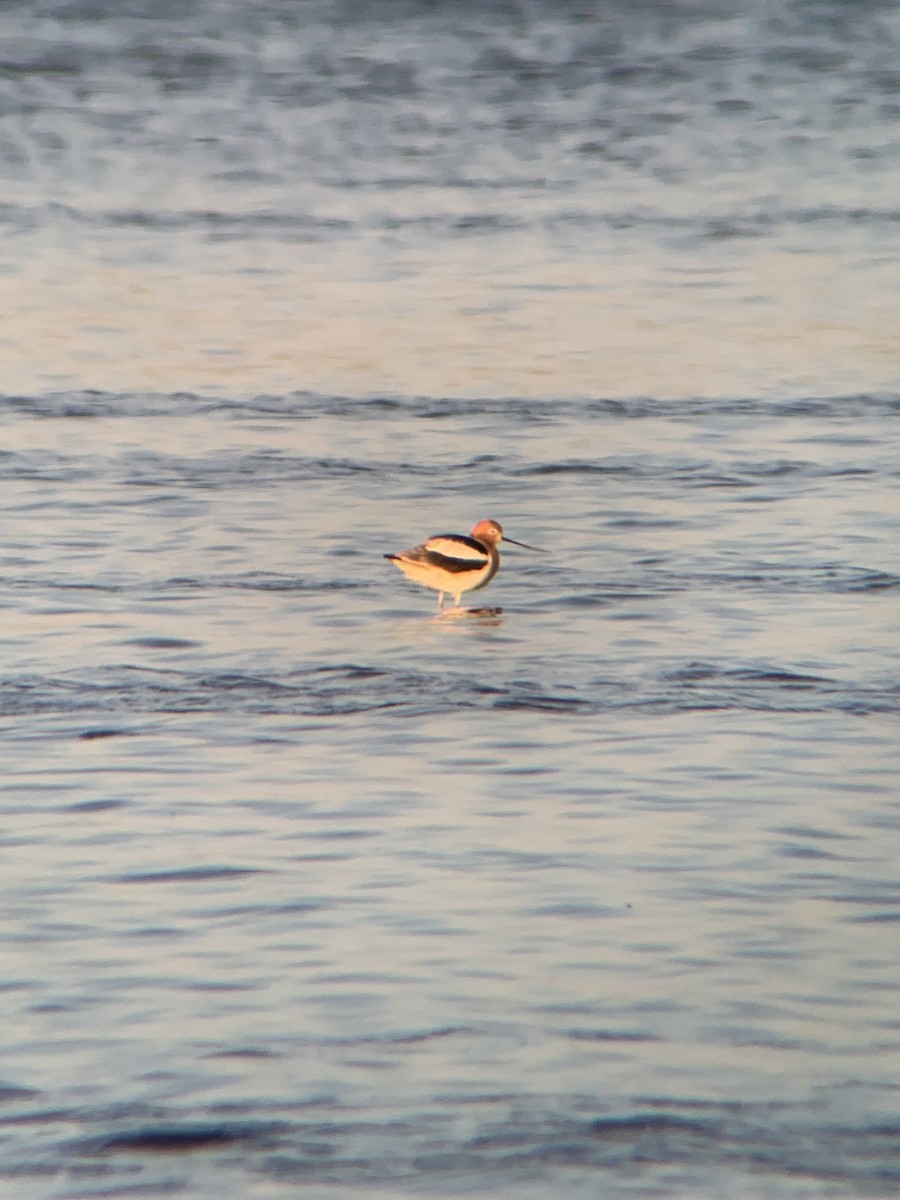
(305,890)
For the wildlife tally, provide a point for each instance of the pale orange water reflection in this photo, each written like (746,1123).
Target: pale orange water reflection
(512,321)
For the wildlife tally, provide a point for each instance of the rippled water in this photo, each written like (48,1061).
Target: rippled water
(306,890)
(304,885)
(451,199)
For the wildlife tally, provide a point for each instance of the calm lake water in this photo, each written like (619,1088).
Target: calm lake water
(306,891)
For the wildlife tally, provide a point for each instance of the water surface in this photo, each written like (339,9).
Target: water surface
(307,890)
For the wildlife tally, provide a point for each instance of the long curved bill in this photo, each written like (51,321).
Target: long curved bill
(525,546)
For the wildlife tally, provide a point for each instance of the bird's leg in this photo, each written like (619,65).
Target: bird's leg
(440,601)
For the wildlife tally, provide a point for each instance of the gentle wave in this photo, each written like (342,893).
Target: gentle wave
(345,690)
(502,1139)
(83,405)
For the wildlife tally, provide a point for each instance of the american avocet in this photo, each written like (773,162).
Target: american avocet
(453,563)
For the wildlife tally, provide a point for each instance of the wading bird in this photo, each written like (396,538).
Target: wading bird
(452,563)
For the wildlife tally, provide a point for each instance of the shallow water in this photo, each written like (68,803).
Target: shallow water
(306,889)
(429,199)
(304,884)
